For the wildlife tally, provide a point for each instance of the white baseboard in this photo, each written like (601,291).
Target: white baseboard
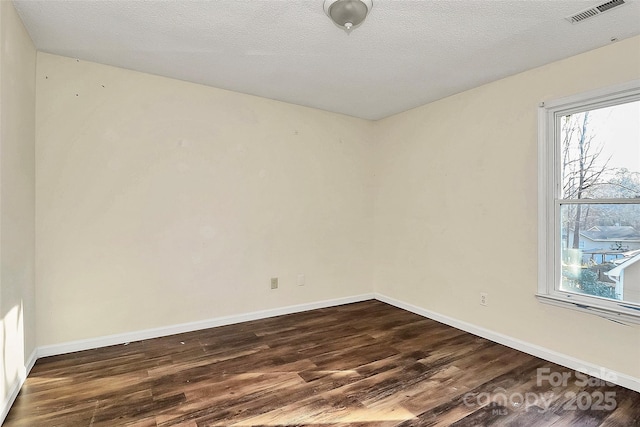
(69,347)
(603,373)
(623,380)
(16,386)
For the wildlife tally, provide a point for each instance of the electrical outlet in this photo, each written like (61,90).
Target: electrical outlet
(274,283)
(301,280)
(484,298)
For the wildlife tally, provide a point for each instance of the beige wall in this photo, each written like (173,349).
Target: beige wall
(456,208)
(162,202)
(17,198)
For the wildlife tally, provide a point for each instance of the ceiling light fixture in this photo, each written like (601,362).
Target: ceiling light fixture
(347,14)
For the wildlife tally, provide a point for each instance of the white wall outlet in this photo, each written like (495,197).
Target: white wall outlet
(301,280)
(484,298)
(274,283)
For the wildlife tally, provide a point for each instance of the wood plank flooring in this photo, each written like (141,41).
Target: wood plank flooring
(363,364)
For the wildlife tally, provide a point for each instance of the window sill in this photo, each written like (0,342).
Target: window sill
(625,314)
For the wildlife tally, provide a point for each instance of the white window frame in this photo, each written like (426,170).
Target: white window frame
(549,201)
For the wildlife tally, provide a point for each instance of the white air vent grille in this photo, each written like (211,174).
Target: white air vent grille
(610,5)
(594,11)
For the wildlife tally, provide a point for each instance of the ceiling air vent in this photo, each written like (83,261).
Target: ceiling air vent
(594,11)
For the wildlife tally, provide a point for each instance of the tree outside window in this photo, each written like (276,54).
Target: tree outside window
(599,160)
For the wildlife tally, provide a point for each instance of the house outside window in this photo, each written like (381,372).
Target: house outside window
(589,202)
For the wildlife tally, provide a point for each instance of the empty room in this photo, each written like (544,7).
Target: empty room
(320,212)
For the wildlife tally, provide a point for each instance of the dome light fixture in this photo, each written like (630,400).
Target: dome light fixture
(347,14)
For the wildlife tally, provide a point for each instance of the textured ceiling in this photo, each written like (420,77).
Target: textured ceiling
(407,53)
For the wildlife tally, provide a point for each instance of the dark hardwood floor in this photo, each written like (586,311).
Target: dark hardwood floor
(363,364)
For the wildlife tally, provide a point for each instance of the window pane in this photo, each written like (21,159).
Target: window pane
(600,153)
(600,250)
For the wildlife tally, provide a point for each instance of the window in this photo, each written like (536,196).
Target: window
(589,202)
